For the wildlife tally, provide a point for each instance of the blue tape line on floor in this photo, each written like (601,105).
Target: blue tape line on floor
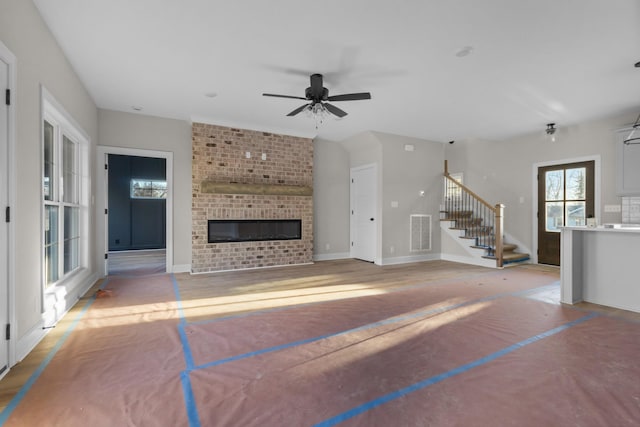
(365,327)
(192,410)
(443,376)
(189,401)
(32,379)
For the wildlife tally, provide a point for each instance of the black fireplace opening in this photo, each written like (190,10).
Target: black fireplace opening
(253,230)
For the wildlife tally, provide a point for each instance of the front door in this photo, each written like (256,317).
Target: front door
(4,225)
(363,213)
(565,198)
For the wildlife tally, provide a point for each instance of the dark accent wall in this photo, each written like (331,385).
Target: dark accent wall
(135,223)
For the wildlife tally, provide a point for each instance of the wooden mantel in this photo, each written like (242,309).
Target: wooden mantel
(213,187)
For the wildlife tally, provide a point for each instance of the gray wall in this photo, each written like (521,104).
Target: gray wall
(40,61)
(502,172)
(330,200)
(404,175)
(129,130)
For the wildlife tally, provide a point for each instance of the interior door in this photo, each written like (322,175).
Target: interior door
(363,213)
(4,225)
(565,198)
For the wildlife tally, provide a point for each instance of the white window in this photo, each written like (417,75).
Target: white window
(148,189)
(64,194)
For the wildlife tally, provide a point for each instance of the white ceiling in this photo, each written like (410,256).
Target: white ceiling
(533,61)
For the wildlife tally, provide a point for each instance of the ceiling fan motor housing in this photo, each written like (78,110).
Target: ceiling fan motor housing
(316,94)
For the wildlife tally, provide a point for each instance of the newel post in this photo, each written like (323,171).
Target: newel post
(446,167)
(499,228)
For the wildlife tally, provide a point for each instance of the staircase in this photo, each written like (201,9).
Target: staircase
(477,225)
(466,226)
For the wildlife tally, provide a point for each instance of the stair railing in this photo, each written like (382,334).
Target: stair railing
(482,221)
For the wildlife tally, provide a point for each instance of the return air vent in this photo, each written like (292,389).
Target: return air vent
(420,232)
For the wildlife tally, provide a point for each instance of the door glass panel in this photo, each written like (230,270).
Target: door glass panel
(554,182)
(51,244)
(48,178)
(576,184)
(554,216)
(576,213)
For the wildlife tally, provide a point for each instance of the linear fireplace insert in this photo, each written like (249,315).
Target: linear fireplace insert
(253,230)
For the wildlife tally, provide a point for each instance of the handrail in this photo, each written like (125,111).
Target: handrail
(474,195)
(492,216)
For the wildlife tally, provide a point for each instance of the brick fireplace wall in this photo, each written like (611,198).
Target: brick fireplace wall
(219,156)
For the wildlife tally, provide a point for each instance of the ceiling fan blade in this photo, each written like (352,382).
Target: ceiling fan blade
(283,96)
(334,110)
(350,97)
(297,110)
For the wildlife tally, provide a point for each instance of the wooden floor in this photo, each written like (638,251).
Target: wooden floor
(138,262)
(328,279)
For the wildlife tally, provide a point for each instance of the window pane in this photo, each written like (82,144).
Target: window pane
(48,178)
(576,213)
(553,219)
(71,223)
(576,183)
(71,255)
(554,184)
(71,238)
(69,172)
(51,244)
(148,189)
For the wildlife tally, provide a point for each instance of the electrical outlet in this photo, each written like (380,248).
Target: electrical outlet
(612,208)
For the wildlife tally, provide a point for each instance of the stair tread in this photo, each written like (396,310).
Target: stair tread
(510,257)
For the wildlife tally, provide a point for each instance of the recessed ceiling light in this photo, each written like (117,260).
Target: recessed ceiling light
(211,94)
(464,51)
(136,108)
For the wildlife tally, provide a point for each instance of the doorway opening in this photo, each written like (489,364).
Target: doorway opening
(137,214)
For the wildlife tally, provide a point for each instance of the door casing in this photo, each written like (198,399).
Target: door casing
(102,193)
(534,193)
(8,200)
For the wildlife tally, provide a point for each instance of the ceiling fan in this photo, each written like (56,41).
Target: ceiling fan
(319,95)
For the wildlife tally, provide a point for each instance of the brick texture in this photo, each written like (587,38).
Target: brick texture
(219,154)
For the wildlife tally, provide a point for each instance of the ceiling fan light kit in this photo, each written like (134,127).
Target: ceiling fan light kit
(550,131)
(318,95)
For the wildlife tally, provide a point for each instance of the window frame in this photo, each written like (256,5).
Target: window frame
(66,283)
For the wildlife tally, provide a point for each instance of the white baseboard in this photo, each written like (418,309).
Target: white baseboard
(29,341)
(482,262)
(332,256)
(409,259)
(181,268)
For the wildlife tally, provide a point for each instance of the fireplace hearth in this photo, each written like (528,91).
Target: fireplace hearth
(253,230)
